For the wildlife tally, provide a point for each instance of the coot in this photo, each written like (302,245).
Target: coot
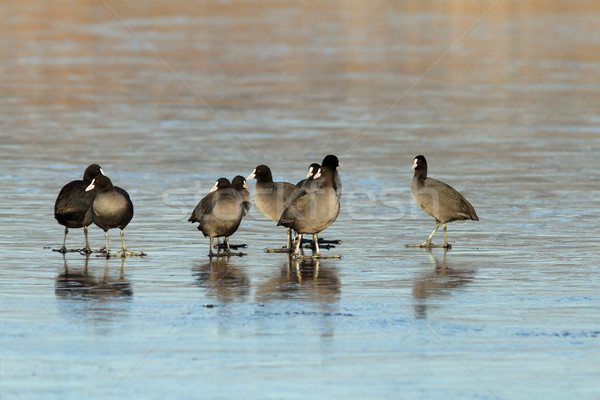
(439,200)
(112,208)
(219,214)
(312,171)
(73,206)
(316,208)
(271,198)
(242,194)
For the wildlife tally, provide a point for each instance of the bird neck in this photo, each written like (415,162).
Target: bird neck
(267,177)
(421,173)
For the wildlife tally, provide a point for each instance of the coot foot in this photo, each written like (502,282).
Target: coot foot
(64,250)
(279,250)
(316,256)
(322,241)
(430,245)
(126,253)
(310,245)
(222,246)
(121,254)
(227,253)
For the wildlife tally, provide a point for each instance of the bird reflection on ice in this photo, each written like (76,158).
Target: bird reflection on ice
(439,283)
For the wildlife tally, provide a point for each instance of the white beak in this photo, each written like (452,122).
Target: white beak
(414,166)
(246,186)
(91,185)
(310,172)
(251,176)
(318,174)
(102,172)
(215,188)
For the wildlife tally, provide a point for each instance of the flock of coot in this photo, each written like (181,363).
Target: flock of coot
(307,208)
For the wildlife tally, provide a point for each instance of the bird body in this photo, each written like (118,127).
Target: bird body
(270,197)
(112,209)
(441,201)
(73,206)
(313,210)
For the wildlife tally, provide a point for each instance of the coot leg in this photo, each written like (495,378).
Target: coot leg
(446,244)
(63,249)
(428,241)
(106,244)
(289,239)
(210,248)
(87,248)
(316,243)
(123,252)
(298,241)
(227,248)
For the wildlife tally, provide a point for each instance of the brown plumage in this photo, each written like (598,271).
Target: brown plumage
(272,198)
(439,200)
(219,213)
(316,207)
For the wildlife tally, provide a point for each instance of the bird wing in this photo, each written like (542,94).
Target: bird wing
(292,212)
(448,197)
(203,206)
(73,199)
(123,192)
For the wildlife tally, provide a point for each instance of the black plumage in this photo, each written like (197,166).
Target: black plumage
(73,206)
(112,208)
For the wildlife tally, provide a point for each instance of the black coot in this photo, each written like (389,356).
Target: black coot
(219,214)
(439,200)
(317,207)
(312,171)
(242,194)
(112,208)
(73,206)
(271,198)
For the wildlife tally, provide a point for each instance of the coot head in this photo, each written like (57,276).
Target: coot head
(239,183)
(220,184)
(91,172)
(420,163)
(101,183)
(312,170)
(331,161)
(262,173)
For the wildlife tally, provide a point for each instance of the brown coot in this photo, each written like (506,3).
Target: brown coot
(317,207)
(271,198)
(243,195)
(219,214)
(312,171)
(439,200)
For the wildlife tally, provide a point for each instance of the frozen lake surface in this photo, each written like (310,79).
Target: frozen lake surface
(501,97)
